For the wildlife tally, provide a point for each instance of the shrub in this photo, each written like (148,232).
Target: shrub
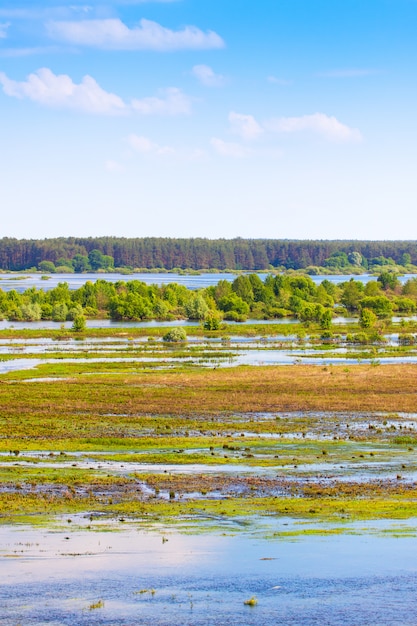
(212,321)
(78,325)
(175,335)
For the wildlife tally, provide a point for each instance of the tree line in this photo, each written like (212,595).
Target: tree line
(246,297)
(106,253)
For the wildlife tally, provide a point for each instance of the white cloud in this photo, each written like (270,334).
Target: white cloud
(26,52)
(146,146)
(60,91)
(3,29)
(229,149)
(319,123)
(245,126)
(113,34)
(53,90)
(172,102)
(207,76)
(113,166)
(198,154)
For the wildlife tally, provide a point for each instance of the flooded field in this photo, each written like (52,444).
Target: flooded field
(230,351)
(147,483)
(162,577)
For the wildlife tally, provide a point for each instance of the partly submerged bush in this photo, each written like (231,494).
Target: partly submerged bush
(175,335)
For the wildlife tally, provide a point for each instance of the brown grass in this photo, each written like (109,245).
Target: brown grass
(361,388)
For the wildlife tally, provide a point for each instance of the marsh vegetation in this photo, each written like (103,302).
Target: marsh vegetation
(116,433)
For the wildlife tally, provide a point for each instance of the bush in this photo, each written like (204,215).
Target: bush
(406,339)
(59,312)
(175,335)
(367,318)
(47,266)
(212,321)
(234,316)
(79,324)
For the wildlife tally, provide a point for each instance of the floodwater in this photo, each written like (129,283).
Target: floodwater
(20,354)
(164,578)
(229,356)
(23,281)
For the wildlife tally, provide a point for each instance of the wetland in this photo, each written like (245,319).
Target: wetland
(248,475)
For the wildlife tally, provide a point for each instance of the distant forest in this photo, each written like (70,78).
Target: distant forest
(105,253)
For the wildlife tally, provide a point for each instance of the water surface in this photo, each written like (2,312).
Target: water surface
(165,579)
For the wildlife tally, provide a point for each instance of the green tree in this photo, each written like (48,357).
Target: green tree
(196,308)
(233,303)
(222,289)
(161,309)
(79,324)
(405,259)
(388,281)
(31,312)
(98,260)
(337,260)
(242,287)
(47,266)
(405,305)
(59,312)
(372,288)
(60,293)
(325,319)
(258,288)
(81,263)
(410,287)
(380,305)
(367,318)
(352,294)
(130,306)
(355,258)
(212,321)
(75,311)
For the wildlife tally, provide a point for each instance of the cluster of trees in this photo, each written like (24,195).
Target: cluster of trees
(93,262)
(105,253)
(247,296)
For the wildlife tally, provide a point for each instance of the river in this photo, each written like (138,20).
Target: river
(21,282)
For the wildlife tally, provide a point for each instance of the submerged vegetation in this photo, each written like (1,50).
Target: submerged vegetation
(189,445)
(275,297)
(159,425)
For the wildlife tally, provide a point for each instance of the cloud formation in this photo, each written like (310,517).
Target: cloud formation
(172,102)
(3,29)
(327,126)
(113,166)
(59,91)
(207,76)
(229,149)
(15,53)
(143,145)
(113,34)
(245,126)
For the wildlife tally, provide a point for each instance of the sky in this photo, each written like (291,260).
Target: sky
(289,119)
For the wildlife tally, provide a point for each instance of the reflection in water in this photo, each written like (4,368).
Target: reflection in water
(168,579)
(20,282)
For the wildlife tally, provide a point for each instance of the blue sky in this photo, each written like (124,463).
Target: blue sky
(184,118)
